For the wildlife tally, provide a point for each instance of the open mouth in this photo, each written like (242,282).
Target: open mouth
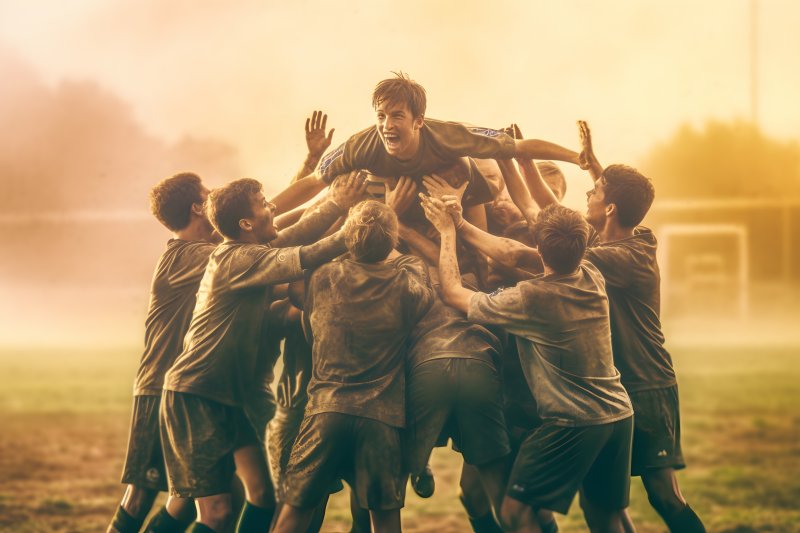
(392,140)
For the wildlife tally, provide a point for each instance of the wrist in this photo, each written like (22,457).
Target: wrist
(311,161)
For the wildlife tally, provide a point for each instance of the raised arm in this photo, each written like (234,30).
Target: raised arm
(538,149)
(453,292)
(517,189)
(424,247)
(588,160)
(298,193)
(316,141)
(345,192)
(507,252)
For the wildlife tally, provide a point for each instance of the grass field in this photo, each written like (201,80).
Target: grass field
(64,422)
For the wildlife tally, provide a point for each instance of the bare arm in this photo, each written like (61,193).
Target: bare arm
(298,193)
(287,219)
(453,292)
(319,253)
(517,189)
(345,192)
(588,160)
(538,149)
(507,252)
(424,247)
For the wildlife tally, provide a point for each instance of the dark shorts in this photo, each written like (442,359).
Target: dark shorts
(656,430)
(260,408)
(555,462)
(200,436)
(455,398)
(363,452)
(144,462)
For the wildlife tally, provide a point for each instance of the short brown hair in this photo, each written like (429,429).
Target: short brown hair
(370,231)
(630,191)
(172,199)
(231,203)
(401,88)
(562,235)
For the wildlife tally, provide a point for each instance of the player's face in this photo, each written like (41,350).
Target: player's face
(399,129)
(264,229)
(596,205)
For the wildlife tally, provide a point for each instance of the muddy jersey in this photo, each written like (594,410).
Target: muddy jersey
(440,143)
(564,341)
(172,298)
(219,358)
(360,316)
(633,282)
(291,391)
(445,332)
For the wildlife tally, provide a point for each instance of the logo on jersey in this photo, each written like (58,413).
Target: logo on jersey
(486,132)
(330,158)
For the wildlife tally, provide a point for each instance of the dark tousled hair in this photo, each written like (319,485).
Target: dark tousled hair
(562,235)
(401,88)
(370,231)
(630,191)
(171,199)
(231,203)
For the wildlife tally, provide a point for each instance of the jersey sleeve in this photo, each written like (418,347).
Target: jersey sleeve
(334,163)
(614,262)
(191,265)
(503,308)
(420,290)
(473,141)
(260,266)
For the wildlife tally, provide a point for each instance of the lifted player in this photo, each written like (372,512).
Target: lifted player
(177,202)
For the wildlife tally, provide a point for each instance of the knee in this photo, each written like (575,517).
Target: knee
(513,516)
(138,501)
(663,499)
(217,514)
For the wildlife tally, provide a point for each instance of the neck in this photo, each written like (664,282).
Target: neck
(614,232)
(197,230)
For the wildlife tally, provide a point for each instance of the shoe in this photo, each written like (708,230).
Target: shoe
(423,483)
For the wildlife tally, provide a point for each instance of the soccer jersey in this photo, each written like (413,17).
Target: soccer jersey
(633,282)
(562,328)
(445,332)
(219,359)
(440,143)
(360,316)
(172,299)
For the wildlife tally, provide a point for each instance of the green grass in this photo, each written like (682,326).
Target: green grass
(64,419)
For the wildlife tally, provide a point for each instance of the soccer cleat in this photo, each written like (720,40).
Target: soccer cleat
(423,483)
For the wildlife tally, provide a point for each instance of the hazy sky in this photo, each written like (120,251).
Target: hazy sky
(249,72)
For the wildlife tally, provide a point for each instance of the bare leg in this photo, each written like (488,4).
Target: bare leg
(666,498)
(516,516)
(214,511)
(293,519)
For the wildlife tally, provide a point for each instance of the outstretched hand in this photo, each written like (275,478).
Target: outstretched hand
(438,187)
(402,195)
(348,189)
(513,131)
(587,160)
(436,212)
(316,140)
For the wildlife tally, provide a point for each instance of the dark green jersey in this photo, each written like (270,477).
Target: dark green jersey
(633,282)
(172,299)
(562,329)
(219,359)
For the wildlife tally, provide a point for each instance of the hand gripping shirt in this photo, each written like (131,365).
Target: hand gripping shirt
(633,281)
(219,359)
(564,341)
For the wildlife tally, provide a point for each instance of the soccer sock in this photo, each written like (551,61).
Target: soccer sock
(163,522)
(125,523)
(484,524)
(254,519)
(201,528)
(685,521)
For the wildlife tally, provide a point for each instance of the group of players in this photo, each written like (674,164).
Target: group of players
(385,300)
